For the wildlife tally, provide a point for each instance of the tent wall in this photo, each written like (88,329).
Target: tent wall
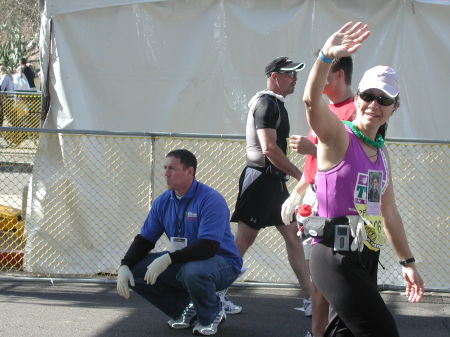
(191,65)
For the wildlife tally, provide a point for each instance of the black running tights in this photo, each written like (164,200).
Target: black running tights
(348,280)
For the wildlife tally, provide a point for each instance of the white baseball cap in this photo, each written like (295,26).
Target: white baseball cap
(380,77)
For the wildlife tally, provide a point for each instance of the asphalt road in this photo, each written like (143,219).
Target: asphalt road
(62,309)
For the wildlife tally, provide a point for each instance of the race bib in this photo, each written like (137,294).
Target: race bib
(177,243)
(370,210)
(374,228)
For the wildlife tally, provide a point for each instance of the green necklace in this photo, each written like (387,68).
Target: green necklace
(378,143)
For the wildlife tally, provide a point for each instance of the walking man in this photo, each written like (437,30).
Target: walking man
(262,185)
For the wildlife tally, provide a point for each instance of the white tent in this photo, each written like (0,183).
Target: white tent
(190,66)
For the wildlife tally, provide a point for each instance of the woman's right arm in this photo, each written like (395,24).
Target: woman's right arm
(320,118)
(331,133)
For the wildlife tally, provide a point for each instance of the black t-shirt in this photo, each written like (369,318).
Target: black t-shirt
(267,112)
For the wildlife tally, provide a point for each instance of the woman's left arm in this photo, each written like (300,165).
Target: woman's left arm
(395,232)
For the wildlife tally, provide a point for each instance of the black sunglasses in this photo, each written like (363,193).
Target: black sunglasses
(382,100)
(290,74)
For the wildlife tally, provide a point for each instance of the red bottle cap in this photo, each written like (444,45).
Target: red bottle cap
(303,210)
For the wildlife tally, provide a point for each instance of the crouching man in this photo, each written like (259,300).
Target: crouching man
(203,257)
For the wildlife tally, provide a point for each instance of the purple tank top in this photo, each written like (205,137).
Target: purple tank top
(340,187)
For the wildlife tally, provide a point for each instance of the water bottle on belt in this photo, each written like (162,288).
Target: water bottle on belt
(302,212)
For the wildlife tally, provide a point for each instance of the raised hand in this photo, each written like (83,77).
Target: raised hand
(346,40)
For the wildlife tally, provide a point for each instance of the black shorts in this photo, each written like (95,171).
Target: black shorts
(259,205)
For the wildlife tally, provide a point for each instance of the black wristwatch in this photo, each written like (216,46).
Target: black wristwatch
(407,261)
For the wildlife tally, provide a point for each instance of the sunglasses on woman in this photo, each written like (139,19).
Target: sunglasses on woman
(382,100)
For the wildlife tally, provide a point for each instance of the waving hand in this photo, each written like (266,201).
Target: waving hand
(346,40)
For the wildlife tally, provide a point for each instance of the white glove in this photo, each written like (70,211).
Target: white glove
(155,268)
(123,276)
(288,207)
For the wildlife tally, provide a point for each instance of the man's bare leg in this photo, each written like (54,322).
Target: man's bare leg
(296,257)
(245,236)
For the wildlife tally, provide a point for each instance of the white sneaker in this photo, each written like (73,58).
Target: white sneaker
(309,334)
(307,307)
(186,319)
(229,307)
(210,329)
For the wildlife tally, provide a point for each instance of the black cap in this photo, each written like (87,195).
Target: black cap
(283,64)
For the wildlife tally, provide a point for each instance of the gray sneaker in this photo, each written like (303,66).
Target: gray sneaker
(307,307)
(229,307)
(210,329)
(309,334)
(186,319)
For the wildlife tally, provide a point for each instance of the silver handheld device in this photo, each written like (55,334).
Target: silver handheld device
(341,238)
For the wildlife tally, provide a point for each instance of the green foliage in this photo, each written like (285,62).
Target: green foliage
(13,47)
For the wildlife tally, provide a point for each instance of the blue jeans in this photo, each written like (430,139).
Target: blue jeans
(195,281)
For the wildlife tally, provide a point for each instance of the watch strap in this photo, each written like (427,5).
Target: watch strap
(407,261)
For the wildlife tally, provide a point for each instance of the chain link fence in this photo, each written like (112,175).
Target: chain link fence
(71,206)
(22,110)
